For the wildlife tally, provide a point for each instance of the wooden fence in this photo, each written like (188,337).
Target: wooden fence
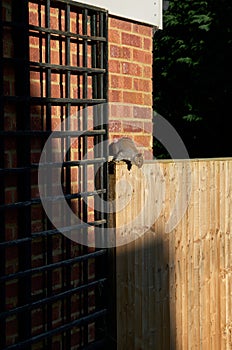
(174,282)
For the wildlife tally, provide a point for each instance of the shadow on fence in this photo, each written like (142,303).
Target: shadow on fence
(174,287)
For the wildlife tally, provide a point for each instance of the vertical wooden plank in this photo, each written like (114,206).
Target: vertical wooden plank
(195,240)
(190,267)
(175,251)
(214,256)
(137,274)
(122,262)
(229,237)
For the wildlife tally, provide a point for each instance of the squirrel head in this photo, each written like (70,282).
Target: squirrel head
(138,160)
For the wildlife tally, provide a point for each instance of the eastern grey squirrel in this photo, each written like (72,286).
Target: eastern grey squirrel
(125,149)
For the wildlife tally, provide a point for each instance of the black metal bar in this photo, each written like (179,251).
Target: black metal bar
(66,67)
(67,271)
(50,233)
(83,321)
(49,245)
(52,165)
(84,154)
(52,299)
(22,101)
(55,134)
(2,189)
(48,101)
(66,33)
(37,66)
(21,49)
(73,4)
(65,280)
(51,199)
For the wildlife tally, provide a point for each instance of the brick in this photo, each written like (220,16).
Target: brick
(91,269)
(34,41)
(75,338)
(114,66)
(36,123)
(55,91)
(91,332)
(11,329)
(115,126)
(126,53)
(142,85)
(118,81)
(75,274)
(37,284)
(11,290)
(142,29)
(127,83)
(120,111)
(114,36)
(11,216)
(35,88)
(33,18)
(8,47)
(57,344)
(142,56)
(10,144)
(34,54)
(6,11)
(148,127)
(36,226)
(33,6)
(120,24)
(7,88)
(147,100)
(55,57)
(148,154)
(131,40)
(55,45)
(12,259)
(132,97)
(91,301)
(115,51)
(143,141)
(132,126)
(147,72)
(115,96)
(147,44)
(37,318)
(131,69)
(11,195)
(56,311)
(115,136)
(56,278)
(142,113)
(10,159)
(54,24)
(10,232)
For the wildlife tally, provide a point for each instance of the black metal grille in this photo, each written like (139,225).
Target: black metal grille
(53,66)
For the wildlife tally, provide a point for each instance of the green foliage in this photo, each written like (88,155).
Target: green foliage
(192,80)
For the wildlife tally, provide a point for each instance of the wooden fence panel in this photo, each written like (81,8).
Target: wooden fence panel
(174,288)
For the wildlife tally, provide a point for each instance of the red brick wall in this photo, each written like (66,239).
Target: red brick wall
(11,155)
(130,97)
(130,82)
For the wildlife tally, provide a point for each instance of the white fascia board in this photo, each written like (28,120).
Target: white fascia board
(147,11)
